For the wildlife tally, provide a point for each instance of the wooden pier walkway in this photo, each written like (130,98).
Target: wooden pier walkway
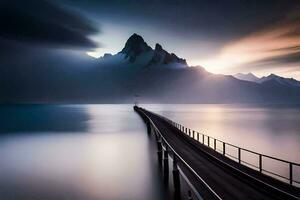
(213,175)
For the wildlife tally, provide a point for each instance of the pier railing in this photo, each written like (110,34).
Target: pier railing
(257,161)
(165,150)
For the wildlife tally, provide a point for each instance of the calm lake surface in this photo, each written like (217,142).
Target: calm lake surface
(103,151)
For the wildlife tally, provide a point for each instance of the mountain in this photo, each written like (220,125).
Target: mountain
(272,78)
(280,80)
(155,75)
(134,47)
(160,56)
(246,77)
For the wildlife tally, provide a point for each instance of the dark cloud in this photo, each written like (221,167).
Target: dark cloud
(283,60)
(209,19)
(291,48)
(289,62)
(41,22)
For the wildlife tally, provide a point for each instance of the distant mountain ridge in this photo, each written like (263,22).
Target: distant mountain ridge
(272,78)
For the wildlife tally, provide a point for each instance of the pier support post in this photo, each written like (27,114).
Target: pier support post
(190,132)
(166,165)
(176,178)
(166,161)
(148,127)
(159,153)
(190,195)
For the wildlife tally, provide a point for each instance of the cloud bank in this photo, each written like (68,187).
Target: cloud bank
(40,22)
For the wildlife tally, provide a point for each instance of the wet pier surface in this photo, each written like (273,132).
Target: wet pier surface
(213,175)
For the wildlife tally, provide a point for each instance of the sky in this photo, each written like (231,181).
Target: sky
(224,37)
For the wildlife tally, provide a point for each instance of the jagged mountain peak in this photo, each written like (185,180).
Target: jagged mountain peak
(135,46)
(161,56)
(158,47)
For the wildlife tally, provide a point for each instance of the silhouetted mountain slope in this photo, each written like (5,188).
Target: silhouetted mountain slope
(161,56)
(156,75)
(280,80)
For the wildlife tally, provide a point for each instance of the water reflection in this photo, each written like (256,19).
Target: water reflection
(42,118)
(109,157)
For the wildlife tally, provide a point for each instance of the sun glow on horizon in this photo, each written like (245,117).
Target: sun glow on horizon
(94,54)
(258,52)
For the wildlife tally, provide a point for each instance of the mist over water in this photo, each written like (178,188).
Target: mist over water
(77,152)
(103,151)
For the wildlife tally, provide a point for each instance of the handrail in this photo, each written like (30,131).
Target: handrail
(182,160)
(261,156)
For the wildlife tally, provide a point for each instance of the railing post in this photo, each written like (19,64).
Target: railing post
(291,173)
(260,163)
(239,154)
(193,134)
(224,148)
(202,139)
(197,136)
(176,177)
(186,131)
(189,132)
(215,144)
(208,140)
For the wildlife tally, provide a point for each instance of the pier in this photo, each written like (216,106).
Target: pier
(211,172)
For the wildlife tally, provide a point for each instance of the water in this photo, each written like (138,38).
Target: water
(103,151)
(77,152)
(273,130)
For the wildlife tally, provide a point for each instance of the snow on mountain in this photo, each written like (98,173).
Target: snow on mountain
(247,77)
